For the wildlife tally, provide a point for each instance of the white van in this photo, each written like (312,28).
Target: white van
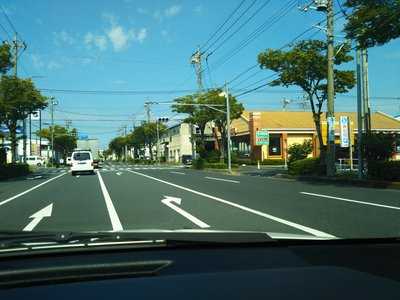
(34,160)
(82,161)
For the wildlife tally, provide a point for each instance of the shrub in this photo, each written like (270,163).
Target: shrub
(384,170)
(274,162)
(212,156)
(13,170)
(198,163)
(299,151)
(308,166)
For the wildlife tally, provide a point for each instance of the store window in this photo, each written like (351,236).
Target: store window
(274,145)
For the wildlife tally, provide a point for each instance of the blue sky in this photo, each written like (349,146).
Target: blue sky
(130,45)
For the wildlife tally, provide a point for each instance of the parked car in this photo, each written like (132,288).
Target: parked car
(82,161)
(34,160)
(186,159)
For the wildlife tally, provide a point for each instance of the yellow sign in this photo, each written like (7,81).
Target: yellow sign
(324,130)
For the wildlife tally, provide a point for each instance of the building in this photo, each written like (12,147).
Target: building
(176,142)
(32,148)
(288,128)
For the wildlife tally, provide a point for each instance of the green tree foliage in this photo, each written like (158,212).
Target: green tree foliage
(117,145)
(373,22)
(202,114)
(305,66)
(18,99)
(64,139)
(300,151)
(5,58)
(378,146)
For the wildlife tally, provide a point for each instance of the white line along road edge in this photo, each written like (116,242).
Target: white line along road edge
(31,189)
(221,179)
(349,200)
(115,222)
(256,212)
(179,173)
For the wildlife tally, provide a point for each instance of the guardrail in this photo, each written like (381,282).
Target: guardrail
(344,164)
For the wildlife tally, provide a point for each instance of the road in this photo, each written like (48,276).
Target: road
(123,197)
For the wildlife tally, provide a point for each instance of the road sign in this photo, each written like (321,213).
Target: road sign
(331,128)
(35,115)
(344,132)
(262,137)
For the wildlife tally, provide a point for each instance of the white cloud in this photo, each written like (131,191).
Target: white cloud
(141,35)
(141,11)
(172,11)
(53,65)
(62,38)
(37,61)
(119,82)
(198,9)
(99,41)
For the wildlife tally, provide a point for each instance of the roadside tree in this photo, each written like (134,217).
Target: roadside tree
(305,66)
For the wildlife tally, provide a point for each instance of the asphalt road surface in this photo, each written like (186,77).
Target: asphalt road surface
(123,197)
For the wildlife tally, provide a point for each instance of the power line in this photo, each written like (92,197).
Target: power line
(92,115)
(9,20)
(257,32)
(223,24)
(233,24)
(5,31)
(241,26)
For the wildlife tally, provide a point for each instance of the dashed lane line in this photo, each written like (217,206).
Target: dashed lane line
(31,189)
(307,229)
(222,179)
(350,200)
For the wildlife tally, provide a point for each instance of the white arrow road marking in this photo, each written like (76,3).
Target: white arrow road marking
(31,189)
(115,222)
(38,216)
(349,200)
(179,173)
(118,173)
(245,208)
(169,201)
(221,179)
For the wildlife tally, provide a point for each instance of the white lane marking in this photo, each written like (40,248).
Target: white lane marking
(245,208)
(179,173)
(221,179)
(118,173)
(350,200)
(38,216)
(77,176)
(115,222)
(169,201)
(36,177)
(31,189)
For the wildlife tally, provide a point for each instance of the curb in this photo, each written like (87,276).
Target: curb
(348,181)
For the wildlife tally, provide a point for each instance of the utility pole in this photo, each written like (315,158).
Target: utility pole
(365,88)
(228,125)
(158,141)
(360,115)
(40,130)
(53,102)
(16,45)
(147,108)
(330,157)
(195,60)
(126,146)
(30,134)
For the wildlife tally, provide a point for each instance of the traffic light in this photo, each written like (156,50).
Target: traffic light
(163,120)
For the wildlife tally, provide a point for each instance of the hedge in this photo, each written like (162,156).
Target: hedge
(384,170)
(248,161)
(308,166)
(200,164)
(13,170)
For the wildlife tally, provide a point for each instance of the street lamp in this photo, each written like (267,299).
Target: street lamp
(53,102)
(228,125)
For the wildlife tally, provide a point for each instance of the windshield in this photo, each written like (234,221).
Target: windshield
(280,117)
(81,156)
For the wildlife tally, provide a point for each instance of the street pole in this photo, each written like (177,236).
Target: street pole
(30,134)
(158,141)
(330,92)
(228,125)
(52,128)
(359,115)
(365,87)
(40,136)
(126,146)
